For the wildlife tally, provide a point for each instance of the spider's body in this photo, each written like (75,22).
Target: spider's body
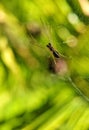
(58,63)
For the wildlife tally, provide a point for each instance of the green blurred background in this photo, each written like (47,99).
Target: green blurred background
(31,96)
